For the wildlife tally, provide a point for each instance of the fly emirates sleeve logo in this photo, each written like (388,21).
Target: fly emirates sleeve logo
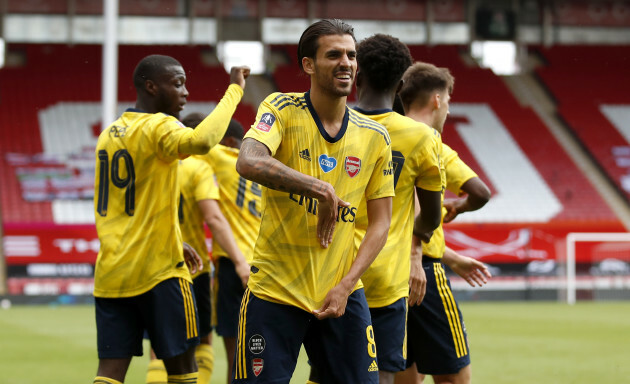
(344,214)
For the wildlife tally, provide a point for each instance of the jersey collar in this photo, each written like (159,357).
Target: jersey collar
(320,126)
(374,111)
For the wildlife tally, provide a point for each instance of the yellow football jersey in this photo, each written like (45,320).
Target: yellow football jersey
(290,266)
(135,204)
(416,149)
(136,193)
(196,183)
(457,173)
(239,201)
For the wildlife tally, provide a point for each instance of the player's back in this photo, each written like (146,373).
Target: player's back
(415,155)
(136,204)
(240,200)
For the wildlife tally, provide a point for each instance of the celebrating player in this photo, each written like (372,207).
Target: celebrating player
(437,339)
(382,61)
(317,159)
(141,280)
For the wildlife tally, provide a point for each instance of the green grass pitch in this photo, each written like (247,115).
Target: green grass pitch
(511,343)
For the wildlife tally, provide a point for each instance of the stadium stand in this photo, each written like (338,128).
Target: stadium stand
(59,86)
(473,85)
(66,76)
(588,82)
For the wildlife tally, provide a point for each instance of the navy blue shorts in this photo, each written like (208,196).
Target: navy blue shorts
(437,339)
(390,333)
(167,312)
(343,350)
(201,288)
(228,293)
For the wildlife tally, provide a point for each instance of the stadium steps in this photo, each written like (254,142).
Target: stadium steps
(529,92)
(257,88)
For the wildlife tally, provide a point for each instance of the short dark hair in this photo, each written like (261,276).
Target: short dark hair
(383,59)
(150,68)
(235,130)
(307,47)
(421,80)
(193,119)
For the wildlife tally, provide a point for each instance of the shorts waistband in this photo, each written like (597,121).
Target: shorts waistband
(430,259)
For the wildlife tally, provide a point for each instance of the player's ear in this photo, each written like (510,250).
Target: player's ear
(309,65)
(151,87)
(436,100)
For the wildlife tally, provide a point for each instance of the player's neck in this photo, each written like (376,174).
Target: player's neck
(146,107)
(421,115)
(330,110)
(373,101)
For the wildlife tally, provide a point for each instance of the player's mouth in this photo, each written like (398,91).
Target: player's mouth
(344,77)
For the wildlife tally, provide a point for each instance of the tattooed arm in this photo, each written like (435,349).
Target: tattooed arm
(255,163)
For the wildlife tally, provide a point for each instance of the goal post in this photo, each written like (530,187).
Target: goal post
(575,237)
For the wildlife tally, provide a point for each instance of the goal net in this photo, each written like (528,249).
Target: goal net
(597,266)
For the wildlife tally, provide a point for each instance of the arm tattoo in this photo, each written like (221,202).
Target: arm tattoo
(271,173)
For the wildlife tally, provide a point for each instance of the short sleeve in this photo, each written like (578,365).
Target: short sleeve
(268,128)
(206,186)
(428,158)
(381,183)
(457,172)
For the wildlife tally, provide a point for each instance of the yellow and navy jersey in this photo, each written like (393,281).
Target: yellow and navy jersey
(290,265)
(416,149)
(240,201)
(136,193)
(196,183)
(457,173)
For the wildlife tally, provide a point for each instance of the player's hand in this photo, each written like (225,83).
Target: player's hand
(327,216)
(243,270)
(417,279)
(238,75)
(425,237)
(334,303)
(451,209)
(471,270)
(192,259)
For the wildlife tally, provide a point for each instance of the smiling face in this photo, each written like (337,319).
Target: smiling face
(335,65)
(171,92)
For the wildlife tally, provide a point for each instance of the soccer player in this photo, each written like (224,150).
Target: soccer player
(317,159)
(141,279)
(437,340)
(382,61)
(240,203)
(199,203)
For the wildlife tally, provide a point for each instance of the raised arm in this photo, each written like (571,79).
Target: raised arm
(222,234)
(256,163)
(379,217)
(211,130)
